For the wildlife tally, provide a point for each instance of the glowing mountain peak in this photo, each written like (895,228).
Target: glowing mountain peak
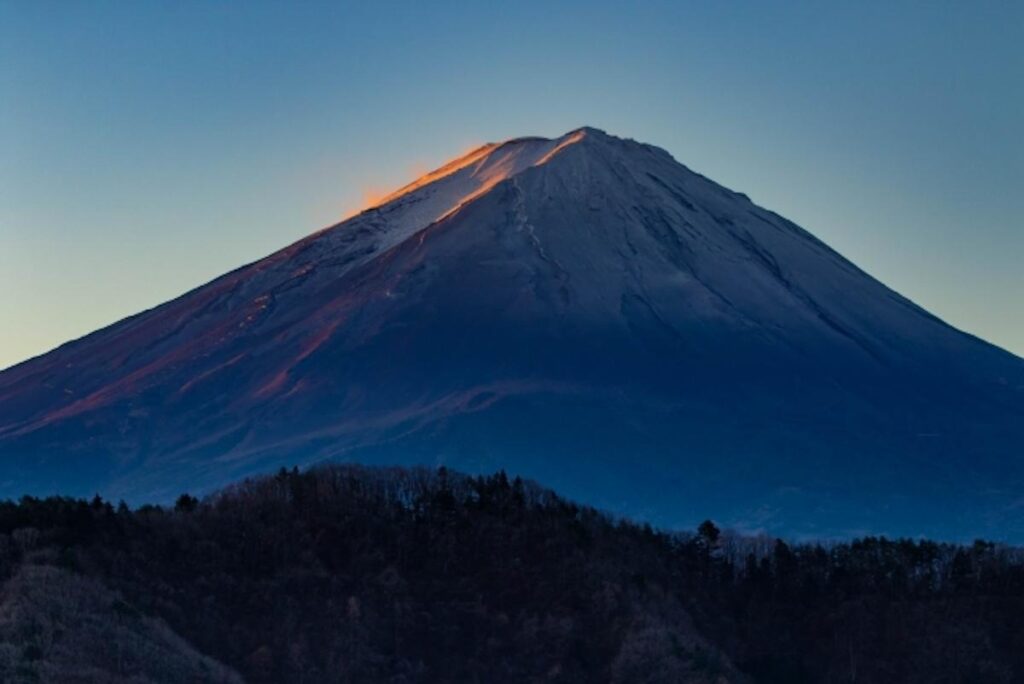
(444,170)
(470,175)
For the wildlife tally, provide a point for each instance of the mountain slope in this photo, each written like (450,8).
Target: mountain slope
(583,310)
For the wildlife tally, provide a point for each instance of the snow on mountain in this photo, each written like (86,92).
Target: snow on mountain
(583,310)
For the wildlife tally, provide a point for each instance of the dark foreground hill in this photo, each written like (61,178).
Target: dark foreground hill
(349,574)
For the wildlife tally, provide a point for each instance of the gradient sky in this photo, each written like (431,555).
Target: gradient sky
(147,147)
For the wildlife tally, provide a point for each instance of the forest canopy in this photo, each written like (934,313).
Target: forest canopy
(352,574)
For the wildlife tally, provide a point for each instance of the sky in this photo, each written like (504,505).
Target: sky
(147,147)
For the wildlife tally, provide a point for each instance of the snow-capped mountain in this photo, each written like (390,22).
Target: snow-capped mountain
(585,311)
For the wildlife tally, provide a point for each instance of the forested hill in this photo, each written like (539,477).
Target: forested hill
(350,574)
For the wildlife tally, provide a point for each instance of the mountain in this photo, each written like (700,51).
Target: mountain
(583,310)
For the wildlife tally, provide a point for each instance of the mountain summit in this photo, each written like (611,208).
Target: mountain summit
(583,310)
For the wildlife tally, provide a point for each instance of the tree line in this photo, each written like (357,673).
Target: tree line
(355,574)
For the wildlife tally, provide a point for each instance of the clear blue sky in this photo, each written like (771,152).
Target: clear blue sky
(146,147)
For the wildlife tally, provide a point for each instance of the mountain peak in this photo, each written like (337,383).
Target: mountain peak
(444,190)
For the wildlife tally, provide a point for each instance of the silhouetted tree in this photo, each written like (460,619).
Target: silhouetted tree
(186,503)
